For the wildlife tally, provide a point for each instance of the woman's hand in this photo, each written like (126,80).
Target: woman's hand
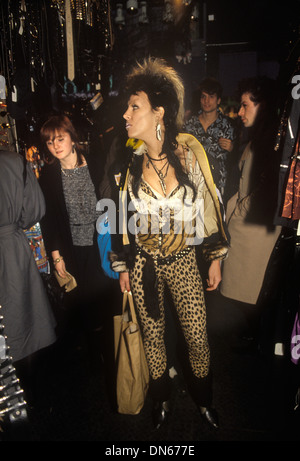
(60,266)
(61,269)
(124,281)
(214,275)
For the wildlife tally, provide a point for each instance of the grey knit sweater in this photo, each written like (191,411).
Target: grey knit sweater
(80,198)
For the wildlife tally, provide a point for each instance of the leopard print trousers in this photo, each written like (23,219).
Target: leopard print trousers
(185,285)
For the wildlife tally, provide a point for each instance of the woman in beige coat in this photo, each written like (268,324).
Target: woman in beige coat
(250,212)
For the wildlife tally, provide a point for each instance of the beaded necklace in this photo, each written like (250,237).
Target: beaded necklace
(68,175)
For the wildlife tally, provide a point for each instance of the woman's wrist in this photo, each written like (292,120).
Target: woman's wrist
(56,257)
(57,260)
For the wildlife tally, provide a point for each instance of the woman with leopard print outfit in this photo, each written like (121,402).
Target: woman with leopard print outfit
(170,187)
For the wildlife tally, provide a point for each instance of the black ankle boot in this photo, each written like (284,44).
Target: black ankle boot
(161,412)
(210,416)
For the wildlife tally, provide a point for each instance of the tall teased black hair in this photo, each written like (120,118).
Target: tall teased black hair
(164,88)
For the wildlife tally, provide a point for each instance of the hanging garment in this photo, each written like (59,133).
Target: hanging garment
(291,206)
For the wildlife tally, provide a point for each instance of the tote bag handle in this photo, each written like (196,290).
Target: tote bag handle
(128,296)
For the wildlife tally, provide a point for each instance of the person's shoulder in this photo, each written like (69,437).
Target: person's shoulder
(194,119)
(188,140)
(225,118)
(11,161)
(10,156)
(181,151)
(187,143)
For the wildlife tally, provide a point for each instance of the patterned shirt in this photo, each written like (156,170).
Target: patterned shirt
(221,128)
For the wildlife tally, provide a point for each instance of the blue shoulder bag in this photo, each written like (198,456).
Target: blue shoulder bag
(104,245)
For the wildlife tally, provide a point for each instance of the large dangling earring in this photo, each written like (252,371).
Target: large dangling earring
(73,149)
(158,131)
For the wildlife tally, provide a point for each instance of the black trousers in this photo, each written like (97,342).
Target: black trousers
(88,300)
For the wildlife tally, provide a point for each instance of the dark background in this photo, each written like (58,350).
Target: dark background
(244,39)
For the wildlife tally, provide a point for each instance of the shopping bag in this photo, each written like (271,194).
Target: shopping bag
(68,282)
(132,374)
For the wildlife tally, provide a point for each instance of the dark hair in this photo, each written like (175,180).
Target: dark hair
(59,123)
(163,87)
(211,86)
(153,78)
(262,91)
(264,175)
